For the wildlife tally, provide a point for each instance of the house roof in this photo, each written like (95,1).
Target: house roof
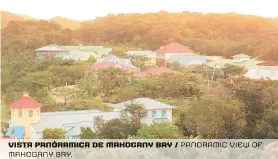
(113,58)
(76,55)
(241,55)
(256,73)
(74,52)
(185,59)
(174,47)
(146,102)
(53,48)
(74,120)
(97,51)
(154,71)
(213,58)
(102,65)
(222,62)
(25,102)
(146,53)
(70,119)
(80,47)
(268,63)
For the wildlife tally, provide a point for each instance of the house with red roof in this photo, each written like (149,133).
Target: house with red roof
(164,53)
(154,71)
(268,64)
(24,112)
(113,61)
(264,70)
(103,65)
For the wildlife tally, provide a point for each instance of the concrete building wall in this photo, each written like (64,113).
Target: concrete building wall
(20,117)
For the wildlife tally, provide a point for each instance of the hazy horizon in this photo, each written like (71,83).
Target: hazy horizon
(86,10)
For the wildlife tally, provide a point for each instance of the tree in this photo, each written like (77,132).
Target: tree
(180,85)
(232,70)
(257,97)
(111,129)
(65,93)
(268,126)
(91,60)
(111,78)
(175,65)
(87,85)
(87,133)
(137,112)
(127,92)
(163,130)
(149,87)
(66,74)
(120,128)
(213,115)
(36,80)
(88,103)
(53,133)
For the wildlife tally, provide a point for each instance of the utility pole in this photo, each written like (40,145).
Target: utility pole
(130,73)
(213,73)
(207,76)
(139,67)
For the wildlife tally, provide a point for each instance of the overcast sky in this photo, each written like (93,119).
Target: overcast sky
(89,9)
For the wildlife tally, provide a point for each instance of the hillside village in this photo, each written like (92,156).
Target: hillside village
(29,121)
(173,52)
(140,75)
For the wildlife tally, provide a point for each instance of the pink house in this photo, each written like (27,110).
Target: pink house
(103,65)
(154,72)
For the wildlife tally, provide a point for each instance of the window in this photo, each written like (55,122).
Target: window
(12,112)
(30,112)
(20,113)
(38,111)
(164,113)
(154,113)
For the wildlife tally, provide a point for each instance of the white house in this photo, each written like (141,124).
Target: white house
(156,110)
(264,70)
(240,57)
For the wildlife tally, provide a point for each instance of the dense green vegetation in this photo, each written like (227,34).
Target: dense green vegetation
(223,109)
(211,34)
(53,133)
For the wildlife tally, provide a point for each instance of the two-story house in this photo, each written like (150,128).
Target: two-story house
(164,53)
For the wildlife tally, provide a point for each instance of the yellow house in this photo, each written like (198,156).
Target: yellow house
(24,112)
